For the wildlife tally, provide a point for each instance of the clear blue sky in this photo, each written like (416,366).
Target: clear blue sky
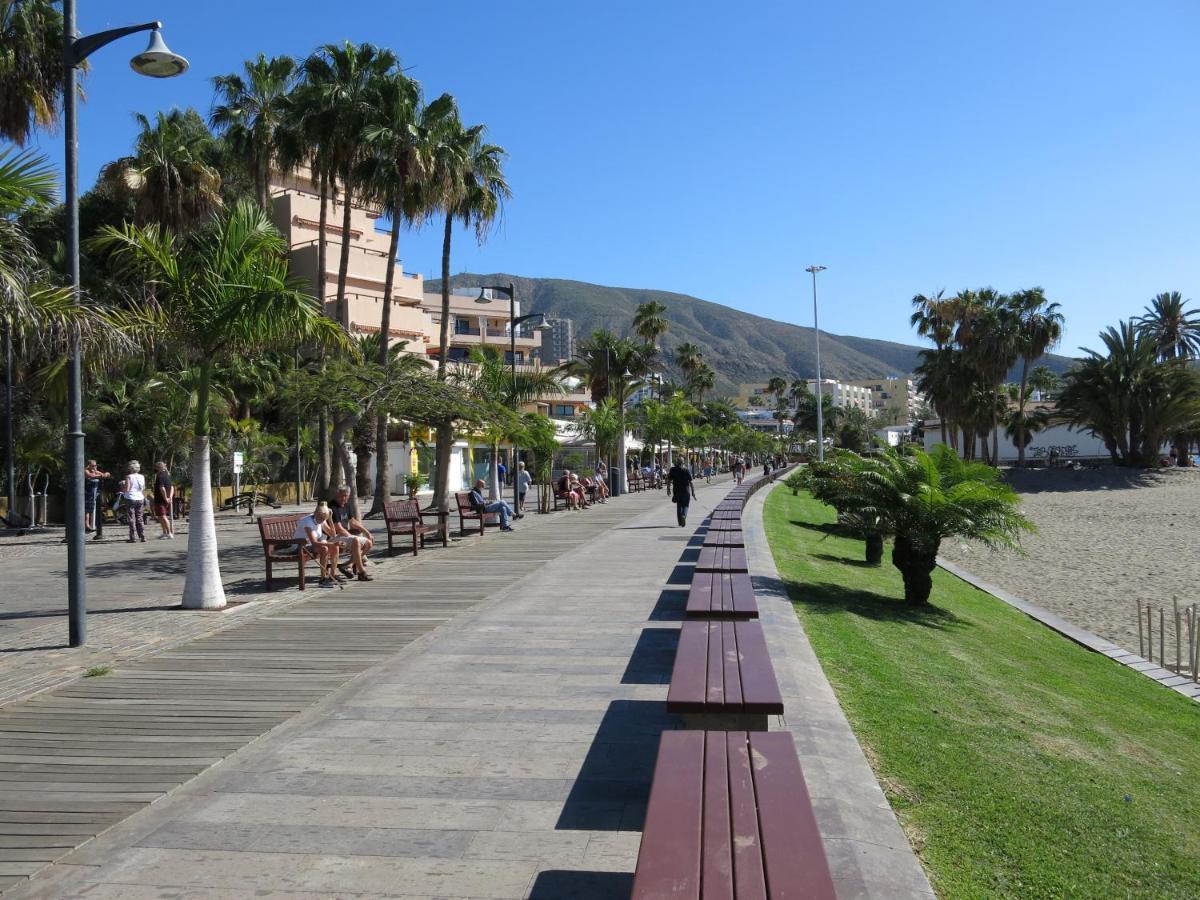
(717,149)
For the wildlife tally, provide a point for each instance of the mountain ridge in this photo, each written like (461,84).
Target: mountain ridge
(741,347)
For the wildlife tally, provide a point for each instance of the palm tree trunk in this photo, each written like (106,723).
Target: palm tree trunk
(445,432)
(202,587)
(340,429)
(264,186)
(383,467)
(324,456)
(343,315)
(916,565)
(322,235)
(1021,442)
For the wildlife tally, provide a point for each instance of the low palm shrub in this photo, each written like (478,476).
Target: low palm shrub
(919,499)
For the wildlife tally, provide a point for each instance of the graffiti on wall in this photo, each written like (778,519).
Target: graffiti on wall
(1059,450)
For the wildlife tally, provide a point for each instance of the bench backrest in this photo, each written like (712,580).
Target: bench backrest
(402,511)
(463,499)
(277,528)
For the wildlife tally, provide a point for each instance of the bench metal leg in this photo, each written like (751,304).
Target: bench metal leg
(726,721)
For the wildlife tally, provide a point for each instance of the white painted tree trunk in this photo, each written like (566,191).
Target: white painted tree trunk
(202,587)
(494,475)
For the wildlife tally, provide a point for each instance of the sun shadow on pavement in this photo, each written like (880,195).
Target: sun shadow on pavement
(613,785)
(558,884)
(653,657)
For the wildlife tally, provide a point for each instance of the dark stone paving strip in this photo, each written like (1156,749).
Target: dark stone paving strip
(85,756)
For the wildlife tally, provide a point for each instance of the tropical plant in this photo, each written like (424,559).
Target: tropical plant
(1129,397)
(650,321)
(688,358)
(219,292)
(922,498)
(1174,328)
(170,177)
(341,89)
(31,67)
(539,438)
(1039,329)
(252,111)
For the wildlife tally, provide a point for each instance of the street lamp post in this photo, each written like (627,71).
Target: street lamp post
(820,388)
(156,62)
(540,324)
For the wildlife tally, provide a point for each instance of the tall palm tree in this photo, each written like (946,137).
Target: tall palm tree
(650,321)
(221,292)
(251,109)
(342,83)
(704,379)
(466,183)
(170,175)
(1175,328)
(31,67)
(1038,325)
(394,162)
(778,387)
(688,358)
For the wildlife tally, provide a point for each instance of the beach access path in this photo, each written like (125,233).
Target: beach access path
(483,724)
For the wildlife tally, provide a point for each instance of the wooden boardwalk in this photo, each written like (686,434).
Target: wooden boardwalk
(76,760)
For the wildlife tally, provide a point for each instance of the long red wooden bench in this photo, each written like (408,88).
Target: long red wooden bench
(466,512)
(722,595)
(279,545)
(723,676)
(722,559)
(730,817)
(405,517)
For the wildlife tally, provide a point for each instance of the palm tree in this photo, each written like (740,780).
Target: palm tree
(1043,380)
(221,292)
(650,321)
(1039,329)
(688,357)
(253,113)
(922,498)
(395,161)
(1130,398)
(169,176)
(703,379)
(31,67)
(342,82)
(1175,328)
(465,181)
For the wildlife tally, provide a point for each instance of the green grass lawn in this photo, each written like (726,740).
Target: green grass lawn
(1020,764)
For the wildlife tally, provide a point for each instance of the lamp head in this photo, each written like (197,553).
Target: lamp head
(815,269)
(483,297)
(157,60)
(540,324)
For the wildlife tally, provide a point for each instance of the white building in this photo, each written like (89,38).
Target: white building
(845,395)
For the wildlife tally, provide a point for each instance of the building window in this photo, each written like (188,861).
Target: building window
(508,357)
(564,411)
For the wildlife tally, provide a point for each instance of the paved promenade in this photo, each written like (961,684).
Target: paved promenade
(505,754)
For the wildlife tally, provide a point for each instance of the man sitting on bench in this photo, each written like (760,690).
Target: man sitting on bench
(350,534)
(480,505)
(315,534)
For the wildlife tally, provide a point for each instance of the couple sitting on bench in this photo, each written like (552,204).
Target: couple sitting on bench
(327,531)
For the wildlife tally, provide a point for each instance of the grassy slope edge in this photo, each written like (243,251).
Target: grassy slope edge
(1020,764)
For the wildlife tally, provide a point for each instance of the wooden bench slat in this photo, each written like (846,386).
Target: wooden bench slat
(714,679)
(724,538)
(722,559)
(731,662)
(742,590)
(722,595)
(751,881)
(689,677)
(669,859)
(758,677)
(796,864)
(717,849)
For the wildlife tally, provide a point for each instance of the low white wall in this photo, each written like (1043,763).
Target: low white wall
(1069,443)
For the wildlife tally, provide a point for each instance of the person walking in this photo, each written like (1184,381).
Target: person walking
(133,492)
(164,496)
(92,478)
(479,504)
(524,482)
(683,491)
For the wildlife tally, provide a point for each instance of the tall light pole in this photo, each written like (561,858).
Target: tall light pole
(820,387)
(514,321)
(156,62)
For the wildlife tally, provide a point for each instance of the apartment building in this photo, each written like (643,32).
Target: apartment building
(558,344)
(895,398)
(845,395)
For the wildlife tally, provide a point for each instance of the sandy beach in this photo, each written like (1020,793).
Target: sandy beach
(1105,539)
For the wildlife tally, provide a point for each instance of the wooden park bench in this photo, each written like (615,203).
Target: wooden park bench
(280,545)
(722,559)
(405,517)
(722,595)
(730,816)
(466,512)
(723,677)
